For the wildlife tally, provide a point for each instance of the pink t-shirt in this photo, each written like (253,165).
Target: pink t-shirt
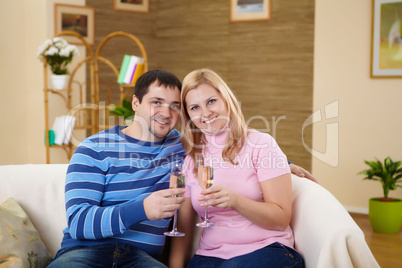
(260,159)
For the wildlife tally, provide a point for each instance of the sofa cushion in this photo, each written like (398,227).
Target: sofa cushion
(20,243)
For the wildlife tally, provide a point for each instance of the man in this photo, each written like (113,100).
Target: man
(117,198)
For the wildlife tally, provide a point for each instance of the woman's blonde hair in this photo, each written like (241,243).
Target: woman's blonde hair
(192,137)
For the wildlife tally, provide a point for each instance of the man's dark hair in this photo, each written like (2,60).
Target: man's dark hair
(164,78)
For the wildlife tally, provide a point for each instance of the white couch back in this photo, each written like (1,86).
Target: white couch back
(39,189)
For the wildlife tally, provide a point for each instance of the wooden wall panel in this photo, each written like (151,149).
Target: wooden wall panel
(268,64)
(108,20)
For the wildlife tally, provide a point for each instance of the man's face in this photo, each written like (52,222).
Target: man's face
(158,112)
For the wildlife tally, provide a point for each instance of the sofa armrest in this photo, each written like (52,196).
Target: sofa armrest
(325,233)
(39,190)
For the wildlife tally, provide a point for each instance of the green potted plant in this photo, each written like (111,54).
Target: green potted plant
(124,110)
(385,213)
(58,54)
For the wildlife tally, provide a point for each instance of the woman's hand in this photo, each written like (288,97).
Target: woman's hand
(273,213)
(218,196)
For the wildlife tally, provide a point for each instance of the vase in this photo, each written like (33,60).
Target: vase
(385,217)
(59,81)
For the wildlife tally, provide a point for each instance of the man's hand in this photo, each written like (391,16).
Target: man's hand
(301,172)
(161,204)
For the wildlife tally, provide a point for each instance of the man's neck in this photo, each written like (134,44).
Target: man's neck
(134,131)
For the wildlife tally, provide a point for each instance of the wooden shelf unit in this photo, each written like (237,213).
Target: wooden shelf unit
(122,87)
(87,114)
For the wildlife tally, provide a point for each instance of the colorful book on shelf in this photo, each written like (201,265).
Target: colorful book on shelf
(139,70)
(58,128)
(128,69)
(51,137)
(132,75)
(69,122)
(63,128)
(134,60)
(129,72)
(123,69)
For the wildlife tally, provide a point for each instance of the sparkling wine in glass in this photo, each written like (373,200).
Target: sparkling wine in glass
(177,180)
(205,180)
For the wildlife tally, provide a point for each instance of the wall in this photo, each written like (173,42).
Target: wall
(139,24)
(268,64)
(21,95)
(369,109)
(26,25)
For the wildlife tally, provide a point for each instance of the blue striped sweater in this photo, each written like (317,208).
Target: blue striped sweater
(107,180)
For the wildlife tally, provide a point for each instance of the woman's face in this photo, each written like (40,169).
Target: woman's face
(206,108)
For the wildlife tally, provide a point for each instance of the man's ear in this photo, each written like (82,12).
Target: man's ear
(135,103)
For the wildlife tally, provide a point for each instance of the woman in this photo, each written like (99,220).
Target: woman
(251,199)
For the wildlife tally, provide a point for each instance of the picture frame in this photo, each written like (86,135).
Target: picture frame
(250,10)
(386,39)
(141,6)
(79,19)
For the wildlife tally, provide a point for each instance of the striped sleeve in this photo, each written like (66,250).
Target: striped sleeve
(84,190)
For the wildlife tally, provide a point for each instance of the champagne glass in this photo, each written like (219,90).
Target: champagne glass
(177,180)
(205,180)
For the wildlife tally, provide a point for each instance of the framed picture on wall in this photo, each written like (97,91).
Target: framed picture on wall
(250,10)
(132,5)
(79,19)
(386,39)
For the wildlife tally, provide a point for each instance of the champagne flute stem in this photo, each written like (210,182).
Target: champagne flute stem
(206,213)
(175,221)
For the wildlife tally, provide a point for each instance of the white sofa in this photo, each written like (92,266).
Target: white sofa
(325,234)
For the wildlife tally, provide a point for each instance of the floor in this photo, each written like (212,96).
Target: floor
(386,248)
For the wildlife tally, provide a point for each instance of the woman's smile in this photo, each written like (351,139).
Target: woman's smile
(210,121)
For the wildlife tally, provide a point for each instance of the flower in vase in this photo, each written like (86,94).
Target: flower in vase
(58,54)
